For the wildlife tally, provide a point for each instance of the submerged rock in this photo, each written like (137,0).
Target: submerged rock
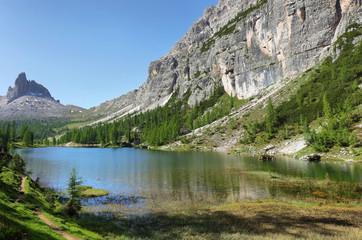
(266,157)
(311,158)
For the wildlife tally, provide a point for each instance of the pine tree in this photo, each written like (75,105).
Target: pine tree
(113,134)
(7,134)
(74,204)
(13,131)
(17,163)
(271,118)
(28,138)
(249,134)
(327,108)
(23,129)
(353,139)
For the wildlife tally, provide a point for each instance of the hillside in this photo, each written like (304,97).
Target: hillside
(213,88)
(243,46)
(28,211)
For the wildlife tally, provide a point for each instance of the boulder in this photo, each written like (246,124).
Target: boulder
(312,157)
(269,147)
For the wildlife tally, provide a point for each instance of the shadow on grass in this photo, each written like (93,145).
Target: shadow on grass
(4,208)
(8,190)
(19,230)
(211,225)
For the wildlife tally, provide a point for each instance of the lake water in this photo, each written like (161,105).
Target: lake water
(177,175)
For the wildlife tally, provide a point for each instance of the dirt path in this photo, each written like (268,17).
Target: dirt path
(40,214)
(22,188)
(55,227)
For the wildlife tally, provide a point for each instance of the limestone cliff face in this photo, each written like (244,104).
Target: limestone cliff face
(244,46)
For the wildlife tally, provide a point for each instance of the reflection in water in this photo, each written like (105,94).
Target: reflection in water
(185,176)
(228,184)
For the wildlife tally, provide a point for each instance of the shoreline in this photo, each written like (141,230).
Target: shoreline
(292,148)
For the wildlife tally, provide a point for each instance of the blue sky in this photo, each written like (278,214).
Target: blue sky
(89,51)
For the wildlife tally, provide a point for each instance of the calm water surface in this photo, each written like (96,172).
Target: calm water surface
(176,175)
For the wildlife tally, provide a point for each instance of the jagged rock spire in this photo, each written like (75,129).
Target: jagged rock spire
(24,87)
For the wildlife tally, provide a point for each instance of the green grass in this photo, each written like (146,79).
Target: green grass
(305,151)
(72,227)
(269,219)
(18,219)
(83,188)
(75,125)
(89,193)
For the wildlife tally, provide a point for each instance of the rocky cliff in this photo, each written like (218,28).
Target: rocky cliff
(23,87)
(244,46)
(28,99)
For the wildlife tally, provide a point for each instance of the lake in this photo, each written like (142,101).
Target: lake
(202,176)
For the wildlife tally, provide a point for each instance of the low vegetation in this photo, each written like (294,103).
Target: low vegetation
(229,28)
(309,189)
(268,219)
(91,192)
(18,219)
(324,108)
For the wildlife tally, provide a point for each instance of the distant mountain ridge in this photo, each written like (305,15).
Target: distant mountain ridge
(24,87)
(29,99)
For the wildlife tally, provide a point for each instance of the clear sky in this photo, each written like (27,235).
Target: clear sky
(89,51)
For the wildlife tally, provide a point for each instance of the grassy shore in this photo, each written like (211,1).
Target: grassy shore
(316,217)
(272,219)
(18,219)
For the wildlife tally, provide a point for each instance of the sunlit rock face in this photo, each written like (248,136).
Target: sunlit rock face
(273,40)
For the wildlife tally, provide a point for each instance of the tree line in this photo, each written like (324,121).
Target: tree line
(8,136)
(159,126)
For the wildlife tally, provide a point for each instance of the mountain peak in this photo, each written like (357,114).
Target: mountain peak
(24,87)
(20,79)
